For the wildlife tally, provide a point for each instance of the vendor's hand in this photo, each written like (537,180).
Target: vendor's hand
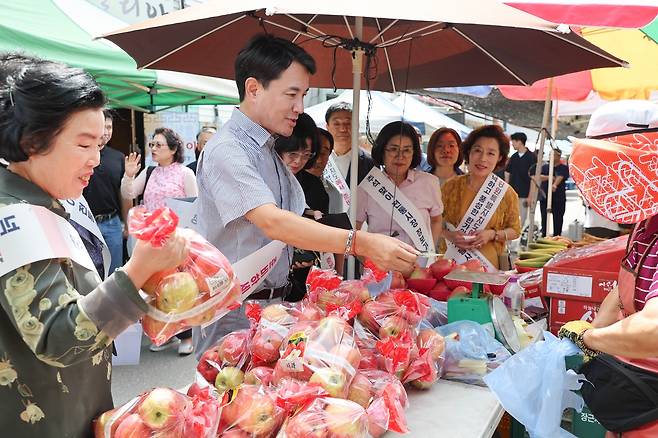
(387,253)
(146,259)
(482,238)
(317,214)
(133,164)
(574,331)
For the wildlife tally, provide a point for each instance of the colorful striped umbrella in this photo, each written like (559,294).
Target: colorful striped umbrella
(637,82)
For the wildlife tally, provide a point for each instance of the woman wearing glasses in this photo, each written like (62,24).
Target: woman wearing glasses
(299,152)
(169,179)
(401,201)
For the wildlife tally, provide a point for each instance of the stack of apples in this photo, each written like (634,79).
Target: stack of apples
(431,281)
(161,412)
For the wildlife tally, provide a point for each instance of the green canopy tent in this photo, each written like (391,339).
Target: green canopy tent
(63,30)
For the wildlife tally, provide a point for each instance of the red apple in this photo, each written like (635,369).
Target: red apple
(345,419)
(196,390)
(398,281)
(440,291)
(265,345)
(161,408)
(452,284)
(330,330)
(235,433)
(152,283)
(474,265)
(309,312)
(158,331)
(442,267)
(361,390)
(356,289)
(132,426)
(101,422)
(421,273)
(233,348)
(259,376)
(332,380)
(460,290)
(369,315)
(177,293)
(307,424)
(430,340)
(281,372)
(209,365)
(422,285)
(393,326)
(378,418)
(258,412)
(350,353)
(277,313)
(202,318)
(228,378)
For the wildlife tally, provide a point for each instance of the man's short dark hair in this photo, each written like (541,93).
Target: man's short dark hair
(265,57)
(519,136)
(108,114)
(337,107)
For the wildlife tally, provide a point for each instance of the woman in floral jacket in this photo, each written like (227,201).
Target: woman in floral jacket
(57,320)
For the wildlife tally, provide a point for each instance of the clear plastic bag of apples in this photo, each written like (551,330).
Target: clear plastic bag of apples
(162,412)
(198,292)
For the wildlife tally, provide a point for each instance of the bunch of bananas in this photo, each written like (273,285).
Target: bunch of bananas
(542,251)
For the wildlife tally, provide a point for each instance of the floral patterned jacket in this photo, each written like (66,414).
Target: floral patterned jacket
(56,327)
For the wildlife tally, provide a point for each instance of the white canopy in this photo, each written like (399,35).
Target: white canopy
(383,111)
(415,109)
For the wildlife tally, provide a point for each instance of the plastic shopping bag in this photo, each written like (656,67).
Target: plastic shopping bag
(535,387)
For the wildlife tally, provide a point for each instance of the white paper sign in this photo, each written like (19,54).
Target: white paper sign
(186,210)
(576,285)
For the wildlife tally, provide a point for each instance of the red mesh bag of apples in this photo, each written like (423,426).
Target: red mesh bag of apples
(161,412)
(198,292)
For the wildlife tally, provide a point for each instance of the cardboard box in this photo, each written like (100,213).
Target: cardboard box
(587,274)
(563,311)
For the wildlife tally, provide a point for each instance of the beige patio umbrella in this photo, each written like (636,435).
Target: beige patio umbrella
(388,46)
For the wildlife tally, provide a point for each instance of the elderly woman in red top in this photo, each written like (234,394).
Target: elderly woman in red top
(618,177)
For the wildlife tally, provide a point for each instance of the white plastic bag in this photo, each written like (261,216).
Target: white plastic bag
(535,387)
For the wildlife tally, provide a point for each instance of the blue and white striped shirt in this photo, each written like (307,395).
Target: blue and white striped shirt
(238,171)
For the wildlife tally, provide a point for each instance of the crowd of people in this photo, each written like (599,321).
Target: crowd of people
(269,174)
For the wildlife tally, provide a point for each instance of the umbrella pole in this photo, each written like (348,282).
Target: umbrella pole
(357,62)
(532,198)
(551,170)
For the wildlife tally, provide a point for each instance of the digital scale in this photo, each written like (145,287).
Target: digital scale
(488,310)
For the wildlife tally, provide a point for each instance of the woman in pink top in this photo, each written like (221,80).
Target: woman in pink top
(397,149)
(169,179)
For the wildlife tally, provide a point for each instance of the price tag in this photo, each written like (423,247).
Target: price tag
(218,283)
(575,285)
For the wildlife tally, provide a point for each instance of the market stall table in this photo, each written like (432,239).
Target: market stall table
(453,409)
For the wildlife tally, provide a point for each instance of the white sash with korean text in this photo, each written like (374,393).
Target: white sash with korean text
(332,174)
(477,216)
(405,214)
(81,215)
(30,233)
(253,269)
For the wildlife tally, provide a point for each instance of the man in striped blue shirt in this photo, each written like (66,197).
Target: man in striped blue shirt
(248,197)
